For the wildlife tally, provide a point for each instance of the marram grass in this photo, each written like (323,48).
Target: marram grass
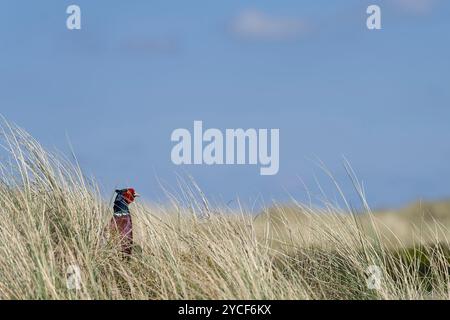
(52,218)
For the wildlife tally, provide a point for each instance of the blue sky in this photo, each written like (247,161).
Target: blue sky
(138,70)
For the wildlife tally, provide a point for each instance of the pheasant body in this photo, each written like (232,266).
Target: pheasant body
(121,224)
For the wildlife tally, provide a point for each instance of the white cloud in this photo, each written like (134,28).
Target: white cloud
(416,6)
(254,24)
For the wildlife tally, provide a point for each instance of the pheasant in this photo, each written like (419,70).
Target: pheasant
(121,224)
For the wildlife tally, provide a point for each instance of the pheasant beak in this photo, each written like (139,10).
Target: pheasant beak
(137,195)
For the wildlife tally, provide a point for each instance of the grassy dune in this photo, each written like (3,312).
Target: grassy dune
(52,218)
(421,223)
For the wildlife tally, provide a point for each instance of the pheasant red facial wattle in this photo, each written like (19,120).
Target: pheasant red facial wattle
(129,195)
